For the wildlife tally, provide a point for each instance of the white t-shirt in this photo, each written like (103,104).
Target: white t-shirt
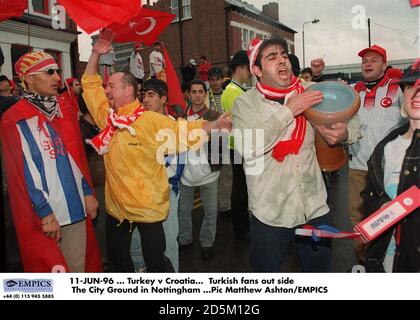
(156,62)
(394,153)
(197,170)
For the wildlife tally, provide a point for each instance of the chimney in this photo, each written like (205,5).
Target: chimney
(271,10)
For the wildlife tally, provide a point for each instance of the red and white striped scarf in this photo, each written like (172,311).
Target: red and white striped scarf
(101,141)
(292,146)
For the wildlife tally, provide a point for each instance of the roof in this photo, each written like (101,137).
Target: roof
(249,9)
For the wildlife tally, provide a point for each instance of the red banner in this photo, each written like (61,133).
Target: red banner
(145,26)
(12,8)
(92,15)
(175,95)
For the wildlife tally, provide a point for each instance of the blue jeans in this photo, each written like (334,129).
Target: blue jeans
(208,196)
(170,228)
(270,245)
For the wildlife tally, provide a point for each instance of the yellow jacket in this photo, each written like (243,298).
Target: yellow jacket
(136,186)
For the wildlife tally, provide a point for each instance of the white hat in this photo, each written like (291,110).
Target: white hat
(192,61)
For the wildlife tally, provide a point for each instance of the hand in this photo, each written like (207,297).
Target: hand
(50,227)
(224,122)
(335,133)
(91,206)
(104,43)
(300,102)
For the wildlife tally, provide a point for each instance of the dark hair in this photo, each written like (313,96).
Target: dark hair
(306,70)
(3,78)
(156,85)
(184,87)
(240,58)
(129,80)
(199,82)
(294,61)
(215,72)
(203,57)
(275,41)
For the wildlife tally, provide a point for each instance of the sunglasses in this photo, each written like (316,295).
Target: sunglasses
(49,72)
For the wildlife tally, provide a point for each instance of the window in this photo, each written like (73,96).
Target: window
(41,6)
(251,35)
(174,9)
(245,39)
(186,9)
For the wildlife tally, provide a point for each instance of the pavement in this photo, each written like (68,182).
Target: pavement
(229,255)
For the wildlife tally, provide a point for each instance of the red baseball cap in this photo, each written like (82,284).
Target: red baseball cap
(376,49)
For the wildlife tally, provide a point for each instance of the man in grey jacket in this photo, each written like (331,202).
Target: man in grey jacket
(285,185)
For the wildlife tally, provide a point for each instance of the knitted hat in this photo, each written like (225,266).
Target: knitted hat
(253,49)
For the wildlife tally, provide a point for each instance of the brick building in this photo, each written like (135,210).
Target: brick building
(216,29)
(17,36)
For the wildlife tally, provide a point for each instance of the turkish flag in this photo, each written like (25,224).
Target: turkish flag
(145,26)
(12,8)
(175,95)
(91,15)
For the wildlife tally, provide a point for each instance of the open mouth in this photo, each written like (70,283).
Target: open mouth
(283,72)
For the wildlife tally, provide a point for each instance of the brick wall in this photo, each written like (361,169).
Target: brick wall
(205,33)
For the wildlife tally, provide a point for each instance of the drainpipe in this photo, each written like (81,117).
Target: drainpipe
(227,35)
(181,40)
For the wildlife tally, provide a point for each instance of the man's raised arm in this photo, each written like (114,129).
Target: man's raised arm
(102,46)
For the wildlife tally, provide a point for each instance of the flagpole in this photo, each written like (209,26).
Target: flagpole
(29,31)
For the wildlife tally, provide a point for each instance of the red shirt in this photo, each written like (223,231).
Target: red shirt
(203,70)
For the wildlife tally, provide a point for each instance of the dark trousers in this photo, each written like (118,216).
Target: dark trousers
(239,199)
(336,182)
(270,246)
(118,240)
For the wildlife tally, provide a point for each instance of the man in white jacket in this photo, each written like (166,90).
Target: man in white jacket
(285,186)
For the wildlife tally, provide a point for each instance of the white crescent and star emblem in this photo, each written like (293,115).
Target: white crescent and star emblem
(131,24)
(386,102)
(149,29)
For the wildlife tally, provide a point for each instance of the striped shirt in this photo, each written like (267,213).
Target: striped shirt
(54,182)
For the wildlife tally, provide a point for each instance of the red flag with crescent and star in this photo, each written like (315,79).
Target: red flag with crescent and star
(145,26)
(92,15)
(12,8)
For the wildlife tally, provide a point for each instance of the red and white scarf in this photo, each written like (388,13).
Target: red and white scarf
(101,141)
(292,146)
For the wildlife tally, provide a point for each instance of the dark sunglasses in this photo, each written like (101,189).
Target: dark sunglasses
(51,71)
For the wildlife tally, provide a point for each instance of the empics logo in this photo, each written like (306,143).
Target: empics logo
(28,285)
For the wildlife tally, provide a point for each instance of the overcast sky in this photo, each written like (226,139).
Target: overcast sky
(395,26)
